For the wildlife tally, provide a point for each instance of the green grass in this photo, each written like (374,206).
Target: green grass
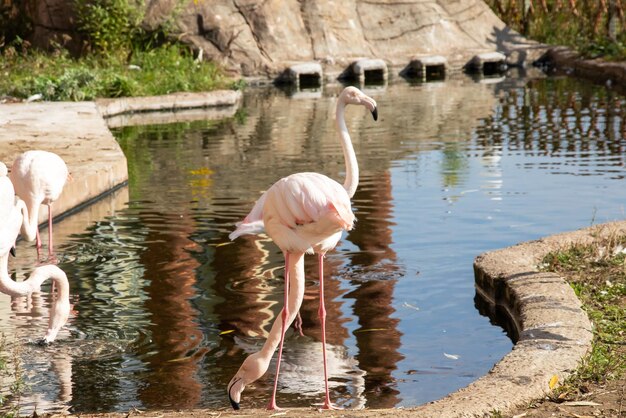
(58,77)
(597,273)
(11,368)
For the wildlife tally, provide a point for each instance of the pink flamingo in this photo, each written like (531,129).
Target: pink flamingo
(13,214)
(38,178)
(302,213)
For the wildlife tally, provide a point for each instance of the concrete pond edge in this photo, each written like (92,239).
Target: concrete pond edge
(553,331)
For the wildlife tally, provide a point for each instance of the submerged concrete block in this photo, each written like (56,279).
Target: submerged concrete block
(367,70)
(426,67)
(487,63)
(305,73)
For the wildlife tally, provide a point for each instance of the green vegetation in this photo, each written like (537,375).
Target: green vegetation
(169,68)
(593,27)
(597,273)
(109,25)
(12,370)
(118,57)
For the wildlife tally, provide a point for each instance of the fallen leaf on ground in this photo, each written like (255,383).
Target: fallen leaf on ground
(553,381)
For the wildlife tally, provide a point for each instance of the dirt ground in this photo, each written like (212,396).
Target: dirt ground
(606,401)
(600,401)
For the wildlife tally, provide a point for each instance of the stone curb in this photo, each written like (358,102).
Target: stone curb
(78,134)
(174,101)
(554,333)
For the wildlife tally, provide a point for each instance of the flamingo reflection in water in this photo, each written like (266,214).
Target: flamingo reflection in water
(13,216)
(302,213)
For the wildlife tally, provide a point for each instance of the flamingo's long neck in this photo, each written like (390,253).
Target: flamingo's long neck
(30,215)
(60,307)
(34,281)
(13,288)
(352,166)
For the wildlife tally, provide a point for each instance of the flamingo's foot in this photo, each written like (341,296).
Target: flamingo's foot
(50,260)
(271,406)
(327,405)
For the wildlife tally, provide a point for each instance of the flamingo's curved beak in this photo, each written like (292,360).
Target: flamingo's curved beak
(12,251)
(234,404)
(375,113)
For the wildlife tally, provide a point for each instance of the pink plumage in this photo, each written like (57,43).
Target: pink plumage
(295,206)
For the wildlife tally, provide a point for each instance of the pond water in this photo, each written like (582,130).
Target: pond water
(165,307)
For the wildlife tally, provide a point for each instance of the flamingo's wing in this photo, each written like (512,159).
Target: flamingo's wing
(304,198)
(296,200)
(10,218)
(253,222)
(38,176)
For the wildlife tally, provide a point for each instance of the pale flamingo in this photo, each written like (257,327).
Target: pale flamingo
(302,213)
(38,178)
(13,213)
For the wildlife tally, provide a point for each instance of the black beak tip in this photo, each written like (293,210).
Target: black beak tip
(375,113)
(234,404)
(42,343)
(12,251)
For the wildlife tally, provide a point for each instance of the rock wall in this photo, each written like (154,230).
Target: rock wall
(260,38)
(254,37)
(53,23)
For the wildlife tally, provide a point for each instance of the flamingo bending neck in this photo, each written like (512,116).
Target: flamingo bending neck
(60,309)
(30,215)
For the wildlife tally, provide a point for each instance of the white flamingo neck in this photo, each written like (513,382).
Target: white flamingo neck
(352,167)
(30,217)
(33,283)
(10,287)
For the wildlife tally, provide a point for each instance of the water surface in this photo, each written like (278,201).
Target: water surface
(165,307)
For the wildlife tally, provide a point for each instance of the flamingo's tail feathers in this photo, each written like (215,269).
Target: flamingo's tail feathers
(345,215)
(247,228)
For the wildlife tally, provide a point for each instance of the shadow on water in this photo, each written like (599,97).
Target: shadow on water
(498,316)
(165,308)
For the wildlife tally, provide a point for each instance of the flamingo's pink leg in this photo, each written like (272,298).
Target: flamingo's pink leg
(322,316)
(38,240)
(49,229)
(285,314)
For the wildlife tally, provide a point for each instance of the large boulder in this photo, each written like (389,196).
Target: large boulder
(255,37)
(53,23)
(260,38)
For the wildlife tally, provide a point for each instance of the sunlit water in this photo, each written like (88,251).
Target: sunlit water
(165,307)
